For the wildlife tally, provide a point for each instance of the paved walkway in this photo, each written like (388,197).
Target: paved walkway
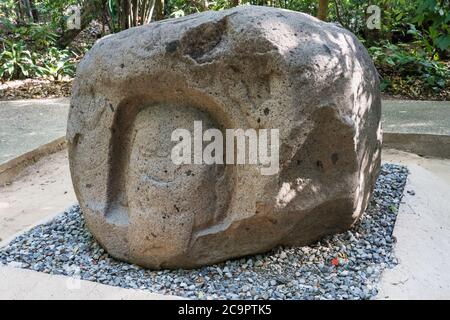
(42,191)
(425,117)
(21,284)
(28,124)
(422,231)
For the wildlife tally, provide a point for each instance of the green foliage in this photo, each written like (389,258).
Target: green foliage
(38,36)
(306,6)
(55,11)
(434,18)
(181,8)
(57,63)
(408,68)
(7,12)
(29,50)
(411,51)
(42,36)
(15,61)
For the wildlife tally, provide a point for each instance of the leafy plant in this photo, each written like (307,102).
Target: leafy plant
(43,36)
(57,63)
(434,17)
(16,62)
(405,67)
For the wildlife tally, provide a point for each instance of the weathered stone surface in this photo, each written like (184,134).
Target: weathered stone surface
(248,67)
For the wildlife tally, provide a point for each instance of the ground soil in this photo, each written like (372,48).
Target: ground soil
(34,89)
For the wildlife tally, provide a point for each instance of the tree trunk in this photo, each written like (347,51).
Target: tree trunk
(159,7)
(134,13)
(338,14)
(148,16)
(125,11)
(34,12)
(28,9)
(323,10)
(19,12)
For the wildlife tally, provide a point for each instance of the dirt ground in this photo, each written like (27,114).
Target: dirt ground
(43,190)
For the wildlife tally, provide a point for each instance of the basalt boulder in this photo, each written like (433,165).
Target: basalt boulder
(247,67)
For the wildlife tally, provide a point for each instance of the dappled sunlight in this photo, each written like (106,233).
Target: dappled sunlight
(288,191)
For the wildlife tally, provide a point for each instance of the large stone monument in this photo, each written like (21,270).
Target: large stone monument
(250,68)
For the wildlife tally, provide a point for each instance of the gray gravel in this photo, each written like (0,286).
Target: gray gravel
(344,266)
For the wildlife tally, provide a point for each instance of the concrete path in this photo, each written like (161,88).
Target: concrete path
(41,191)
(420,127)
(28,124)
(21,284)
(422,230)
(425,117)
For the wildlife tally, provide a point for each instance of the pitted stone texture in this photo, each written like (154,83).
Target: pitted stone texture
(248,67)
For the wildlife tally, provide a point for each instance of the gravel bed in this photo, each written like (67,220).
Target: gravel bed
(344,266)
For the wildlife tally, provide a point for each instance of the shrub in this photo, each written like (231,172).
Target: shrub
(16,62)
(406,68)
(57,63)
(434,18)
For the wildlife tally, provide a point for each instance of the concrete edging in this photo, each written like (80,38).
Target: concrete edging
(12,168)
(25,284)
(431,145)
